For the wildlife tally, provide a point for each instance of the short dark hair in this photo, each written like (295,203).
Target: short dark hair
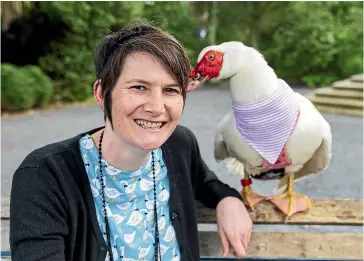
(138,36)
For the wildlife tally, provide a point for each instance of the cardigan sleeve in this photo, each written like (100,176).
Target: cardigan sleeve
(209,190)
(37,216)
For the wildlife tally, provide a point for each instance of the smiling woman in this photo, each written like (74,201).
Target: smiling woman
(148,104)
(125,190)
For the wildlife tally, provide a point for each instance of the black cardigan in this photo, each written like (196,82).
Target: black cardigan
(52,212)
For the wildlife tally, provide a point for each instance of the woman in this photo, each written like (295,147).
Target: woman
(105,191)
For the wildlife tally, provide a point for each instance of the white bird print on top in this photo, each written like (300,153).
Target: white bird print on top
(95,192)
(149,203)
(110,192)
(175,257)
(123,258)
(96,183)
(95,186)
(146,232)
(136,217)
(164,194)
(129,238)
(88,144)
(130,206)
(143,252)
(135,174)
(114,249)
(118,219)
(145,184)
(149,214)
(128,188)
(162,222)
(164,249)
(110,170)
(170,234)
(125,206)
(85,161)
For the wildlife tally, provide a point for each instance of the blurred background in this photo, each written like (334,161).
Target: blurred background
(47,74)
(47,63)
(52,43)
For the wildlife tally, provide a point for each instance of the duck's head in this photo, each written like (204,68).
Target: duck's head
(216,62)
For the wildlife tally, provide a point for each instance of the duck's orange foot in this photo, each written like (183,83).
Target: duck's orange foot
(250,197)
(291,203)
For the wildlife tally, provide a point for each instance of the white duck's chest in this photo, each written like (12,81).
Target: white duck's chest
(267,125)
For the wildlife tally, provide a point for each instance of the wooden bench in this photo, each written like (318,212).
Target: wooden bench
(295,245)
(282,246)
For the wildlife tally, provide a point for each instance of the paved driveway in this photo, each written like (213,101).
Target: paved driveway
(204,109)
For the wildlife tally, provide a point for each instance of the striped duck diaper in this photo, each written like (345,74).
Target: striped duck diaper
(267,125)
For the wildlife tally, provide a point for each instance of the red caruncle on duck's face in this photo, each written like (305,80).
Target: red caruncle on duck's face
(210,64)
(209,67)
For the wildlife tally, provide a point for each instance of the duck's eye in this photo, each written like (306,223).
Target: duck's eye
(197,76)
(211,57)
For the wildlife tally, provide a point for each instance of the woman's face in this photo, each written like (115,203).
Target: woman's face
(147,102)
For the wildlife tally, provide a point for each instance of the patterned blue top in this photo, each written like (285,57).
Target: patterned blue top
(129,200)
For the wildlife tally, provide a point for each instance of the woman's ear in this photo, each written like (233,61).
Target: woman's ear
(98,93)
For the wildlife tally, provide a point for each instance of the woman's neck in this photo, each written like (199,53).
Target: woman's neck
(117,152)
(254,82)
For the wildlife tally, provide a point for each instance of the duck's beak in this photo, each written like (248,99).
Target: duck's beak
(196,80)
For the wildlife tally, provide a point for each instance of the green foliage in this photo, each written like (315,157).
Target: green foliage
(41,84)
(24,87)
(316,45)
(349,30)
(175,18)
(71,62)
(17,92)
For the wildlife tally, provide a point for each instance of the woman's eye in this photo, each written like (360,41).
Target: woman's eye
(171,90)
(139,87)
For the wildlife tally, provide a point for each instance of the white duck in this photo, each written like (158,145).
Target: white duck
(271,131)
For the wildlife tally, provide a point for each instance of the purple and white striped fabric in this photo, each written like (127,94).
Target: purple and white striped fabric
(267,125)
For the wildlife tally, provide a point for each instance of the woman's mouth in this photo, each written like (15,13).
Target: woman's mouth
(150,125)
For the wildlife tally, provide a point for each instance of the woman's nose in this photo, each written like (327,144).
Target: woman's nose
(155,104)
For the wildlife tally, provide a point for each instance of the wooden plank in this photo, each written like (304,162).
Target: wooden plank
(323,212)
(292,245)
(213,258)
(289,244)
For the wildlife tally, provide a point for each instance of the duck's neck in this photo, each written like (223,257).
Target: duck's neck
(254,82)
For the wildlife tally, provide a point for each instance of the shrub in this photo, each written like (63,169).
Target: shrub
(17,90)
(24,88)
(42,85)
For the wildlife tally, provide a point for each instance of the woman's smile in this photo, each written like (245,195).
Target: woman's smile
(150,125)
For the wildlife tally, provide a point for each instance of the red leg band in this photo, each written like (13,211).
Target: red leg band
(246,182)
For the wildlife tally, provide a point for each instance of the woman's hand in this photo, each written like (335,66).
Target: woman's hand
(234,226)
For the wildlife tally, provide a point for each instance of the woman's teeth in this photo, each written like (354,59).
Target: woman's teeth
(149,125)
